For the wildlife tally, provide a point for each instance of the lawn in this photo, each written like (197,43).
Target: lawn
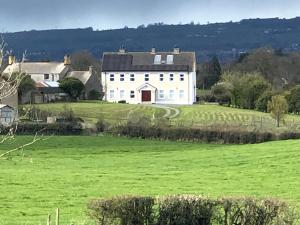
(66,172)
(210,114)
(91,111)
(191,116)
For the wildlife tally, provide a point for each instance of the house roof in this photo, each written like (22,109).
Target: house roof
(144,61)
(3,105)
(37,68)
(83,76)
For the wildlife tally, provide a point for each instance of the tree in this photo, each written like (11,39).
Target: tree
(9,86)
(278,106)
(72,86)
(262,101)
(26,85)
(293,99)
(214,71)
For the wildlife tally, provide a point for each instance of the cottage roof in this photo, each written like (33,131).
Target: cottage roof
(145,61)
(3,106)
(37,68)
(83,76)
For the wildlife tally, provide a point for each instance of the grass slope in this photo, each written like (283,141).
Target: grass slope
(91,111)
(66,172)
(195,115)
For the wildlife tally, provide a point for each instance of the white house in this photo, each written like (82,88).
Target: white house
(149,77)
(46,76)
(7,115)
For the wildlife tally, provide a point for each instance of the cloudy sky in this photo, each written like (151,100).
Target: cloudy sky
(19,15)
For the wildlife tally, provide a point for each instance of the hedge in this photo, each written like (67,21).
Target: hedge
(191,210)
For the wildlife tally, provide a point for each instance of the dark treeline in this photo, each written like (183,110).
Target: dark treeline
(227,40)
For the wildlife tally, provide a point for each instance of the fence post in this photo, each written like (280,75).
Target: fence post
(57,217)
(49,220)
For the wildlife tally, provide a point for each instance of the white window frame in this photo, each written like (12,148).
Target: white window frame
(132,94)
(122,94)
(111,94)
(171,77)
(171,94)
(147,77)
(122,77)
(181,77)
(111,77)
(161,94)
(161,77)
(181,94)
(132,78)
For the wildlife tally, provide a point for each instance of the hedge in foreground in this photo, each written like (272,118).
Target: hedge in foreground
(190,210)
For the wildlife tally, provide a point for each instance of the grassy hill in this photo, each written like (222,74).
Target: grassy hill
(190,116)
(66,172)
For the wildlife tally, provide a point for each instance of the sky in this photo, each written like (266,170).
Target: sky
(19,15)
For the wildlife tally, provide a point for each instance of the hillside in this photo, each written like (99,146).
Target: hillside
(66,172)
(225,39)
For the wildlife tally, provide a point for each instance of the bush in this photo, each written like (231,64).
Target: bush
(122,210)
(94,95)
(122,102)
(207,135)
(191,210)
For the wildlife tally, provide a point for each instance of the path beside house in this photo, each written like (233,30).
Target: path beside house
(171,112)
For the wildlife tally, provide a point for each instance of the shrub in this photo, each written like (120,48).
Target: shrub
(122,210)
(93,95)
(191,210)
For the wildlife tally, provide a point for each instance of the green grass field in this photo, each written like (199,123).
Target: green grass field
(66,172)
(191,116)
(91,111)
(204,115)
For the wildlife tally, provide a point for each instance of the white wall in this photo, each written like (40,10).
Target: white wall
(40,77)
(187,85)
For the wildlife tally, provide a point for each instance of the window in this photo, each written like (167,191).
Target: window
(161,94)
(146,77)
(170,59)
(181,94)
(46,76)
(122,77)
(111,77)
(171,94)
(131,77)
(122,94)
(52,77)
(171,77)
(157,59)
(132,95)
(111,94)
(181,77)
(161,77)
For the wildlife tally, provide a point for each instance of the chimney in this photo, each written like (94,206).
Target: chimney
(153,50)
(67,60)
(11,59)
(122,50)
(176,50)
(91,69)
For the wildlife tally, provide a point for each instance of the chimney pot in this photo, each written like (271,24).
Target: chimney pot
(176,50)
(11,59)
(153,50)
(67,60)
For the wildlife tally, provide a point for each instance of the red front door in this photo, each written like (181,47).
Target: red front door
(146,96)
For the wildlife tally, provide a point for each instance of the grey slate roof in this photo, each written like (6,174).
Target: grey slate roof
(83,76)
(144,61)
(37,68)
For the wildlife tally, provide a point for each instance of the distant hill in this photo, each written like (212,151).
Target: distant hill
(227,40)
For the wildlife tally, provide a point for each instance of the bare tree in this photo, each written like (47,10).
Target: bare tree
(9,84)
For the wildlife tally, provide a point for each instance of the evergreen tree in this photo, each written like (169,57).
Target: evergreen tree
(213,72)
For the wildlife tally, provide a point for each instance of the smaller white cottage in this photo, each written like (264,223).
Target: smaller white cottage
(7,115)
